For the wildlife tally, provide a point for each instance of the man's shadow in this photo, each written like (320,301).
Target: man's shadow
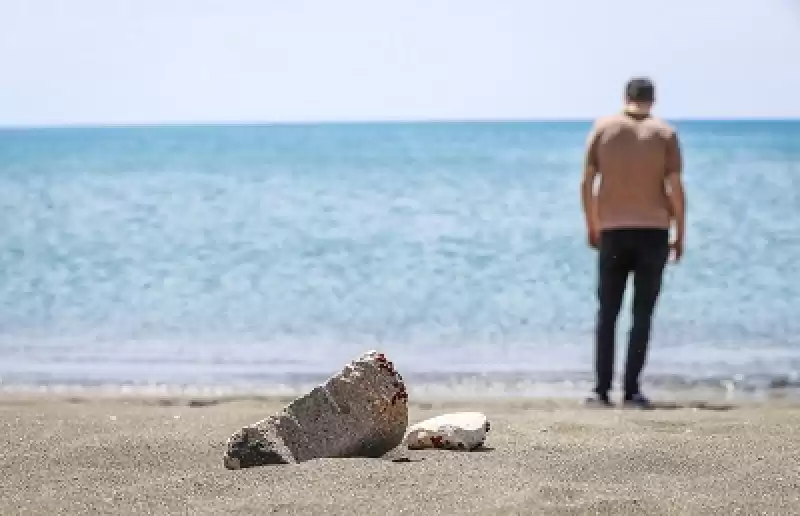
(696,405)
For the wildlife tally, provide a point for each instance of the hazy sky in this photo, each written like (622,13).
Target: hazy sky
(141,61)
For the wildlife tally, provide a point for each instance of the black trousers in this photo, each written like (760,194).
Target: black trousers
(643,252)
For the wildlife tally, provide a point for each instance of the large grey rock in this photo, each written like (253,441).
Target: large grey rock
(360,412)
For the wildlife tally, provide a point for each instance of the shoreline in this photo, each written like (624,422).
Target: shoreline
(567,392)
(662,402)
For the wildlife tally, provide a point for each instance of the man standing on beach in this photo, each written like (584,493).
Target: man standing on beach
(637,159)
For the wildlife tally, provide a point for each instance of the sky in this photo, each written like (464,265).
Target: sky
(74,62)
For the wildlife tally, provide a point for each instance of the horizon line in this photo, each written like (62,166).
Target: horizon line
(387,121)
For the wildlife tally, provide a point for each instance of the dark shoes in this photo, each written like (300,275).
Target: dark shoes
(598,401)
(635,401)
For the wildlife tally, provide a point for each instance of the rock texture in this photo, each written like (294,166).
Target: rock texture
(457,431)
(360,412)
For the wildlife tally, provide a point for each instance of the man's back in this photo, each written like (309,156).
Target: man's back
(633,155)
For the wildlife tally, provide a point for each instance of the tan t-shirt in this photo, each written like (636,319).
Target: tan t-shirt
(633,157)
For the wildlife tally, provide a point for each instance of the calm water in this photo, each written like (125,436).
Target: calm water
(262,257)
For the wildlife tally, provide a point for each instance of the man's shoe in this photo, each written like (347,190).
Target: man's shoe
(637,401)
(598,401)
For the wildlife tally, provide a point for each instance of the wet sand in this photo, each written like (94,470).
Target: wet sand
(150,456)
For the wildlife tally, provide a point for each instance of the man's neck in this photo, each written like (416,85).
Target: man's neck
(637,111)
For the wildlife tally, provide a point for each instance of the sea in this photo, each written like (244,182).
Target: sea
(262,258)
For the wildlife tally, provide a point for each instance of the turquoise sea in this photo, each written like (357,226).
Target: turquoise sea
(265,257)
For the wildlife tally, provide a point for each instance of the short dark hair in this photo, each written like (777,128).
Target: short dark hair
(640,89)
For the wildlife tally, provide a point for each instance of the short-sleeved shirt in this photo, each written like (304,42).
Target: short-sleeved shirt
(633,156)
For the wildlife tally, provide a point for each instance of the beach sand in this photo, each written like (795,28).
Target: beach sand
(151,456)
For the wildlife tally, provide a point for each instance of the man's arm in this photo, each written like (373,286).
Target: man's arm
(677,205)
(588,199)
(676,194)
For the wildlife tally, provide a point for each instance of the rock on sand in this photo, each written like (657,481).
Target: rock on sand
(456,431)
(360,412)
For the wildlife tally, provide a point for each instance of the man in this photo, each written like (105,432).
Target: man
(637,159)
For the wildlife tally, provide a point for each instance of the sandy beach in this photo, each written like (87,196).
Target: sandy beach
(164,456)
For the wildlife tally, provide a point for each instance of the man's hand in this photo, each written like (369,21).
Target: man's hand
(677,249)
(593,236)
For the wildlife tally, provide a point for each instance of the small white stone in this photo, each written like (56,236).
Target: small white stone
(456,431)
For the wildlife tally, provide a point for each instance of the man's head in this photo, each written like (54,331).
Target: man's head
(640,94)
